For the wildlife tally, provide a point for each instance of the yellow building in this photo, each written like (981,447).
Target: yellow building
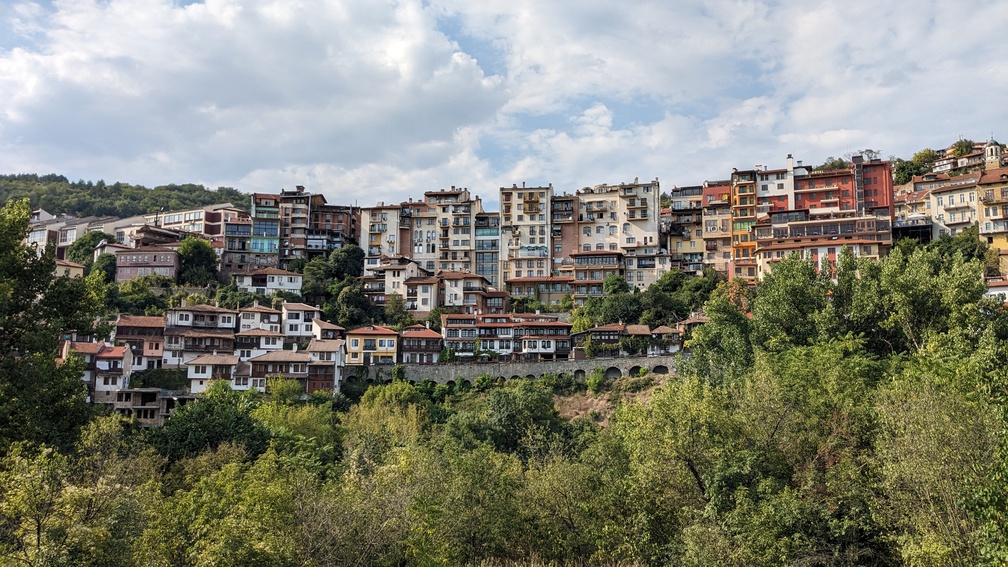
(993,212)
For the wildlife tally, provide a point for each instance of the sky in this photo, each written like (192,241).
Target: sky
(371,100)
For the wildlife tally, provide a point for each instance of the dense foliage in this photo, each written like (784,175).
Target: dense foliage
(56,194)
(845,420)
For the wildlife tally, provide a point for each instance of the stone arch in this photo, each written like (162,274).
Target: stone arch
(516,377)
(634,370)
(369,381)
(530,376)
(466,384)
(450,383)
(579,375)
(660,369)
(613,373)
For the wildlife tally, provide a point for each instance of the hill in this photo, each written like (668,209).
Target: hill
(56,194)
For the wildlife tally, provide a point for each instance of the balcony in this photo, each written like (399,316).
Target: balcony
(958,206)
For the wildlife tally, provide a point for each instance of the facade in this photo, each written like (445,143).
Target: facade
(564,232)
(145,338)
(207,221)
(154,260)
(550,290)
(325,367)
(954,205)
(419,344)
(288,364)
(264,242)
(195,330)
(373,344)
(208,367)
(464,290)
(525,237)
(297,320)
(743,210)
(685,232)
(506,337)
(717,225)
(68,269)
(486,234)
(993,212)
(590,269)
(267,281)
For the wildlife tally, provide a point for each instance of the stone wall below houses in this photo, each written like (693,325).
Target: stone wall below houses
(458,373)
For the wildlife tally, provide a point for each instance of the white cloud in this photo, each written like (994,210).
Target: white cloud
(383,100)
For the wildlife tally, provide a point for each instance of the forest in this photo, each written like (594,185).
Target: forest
(833,415)
(58,195)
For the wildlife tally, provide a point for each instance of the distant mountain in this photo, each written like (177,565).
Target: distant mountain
(56,194)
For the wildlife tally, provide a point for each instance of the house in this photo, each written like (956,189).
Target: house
(68,269)
(323,330)
(113,366)
(325,368)
(269,280)
(372,344)
(541,337)
(526,336)
(149,407)
(194,330)
(203,369)
(153,260)
(256,342)
(288,364)
(88,352)
(665,340)
(144,336)
(297,320)
(419,344)
(464,290)
(259,317)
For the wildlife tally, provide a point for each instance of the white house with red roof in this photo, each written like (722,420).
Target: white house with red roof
(267,281)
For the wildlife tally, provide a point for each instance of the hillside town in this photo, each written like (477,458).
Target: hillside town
(443,252)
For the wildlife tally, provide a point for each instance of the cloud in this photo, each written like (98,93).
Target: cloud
(371,101)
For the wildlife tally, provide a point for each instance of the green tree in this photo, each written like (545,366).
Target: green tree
(82,249)
(926,157)
(962,147)
(395,310)
(106,266)
(347,261)
(39,400)
(832,163)
(614,283)
(198,262)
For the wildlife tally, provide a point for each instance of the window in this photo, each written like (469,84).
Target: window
(199,369)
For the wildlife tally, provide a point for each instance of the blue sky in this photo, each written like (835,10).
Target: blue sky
(366,100)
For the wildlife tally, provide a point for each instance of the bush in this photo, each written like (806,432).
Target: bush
(596,380)
(483,382)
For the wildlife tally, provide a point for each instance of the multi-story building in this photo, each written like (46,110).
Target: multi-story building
(113,366)
(717,224)
(264,244)
(287,364)
(422,293)
(418,228)
(297,320)
(743,211)
(464,290)
(267,281)
(203,369)
(145,338)
(194,330)
(250,343)
(564,233)
(330,227)
(993,217)
(525,231)
(590,269)
(419,344)
(325,369)
(257,316)
(456,219)
(512,336)
(685,231)
(383,225)
(154,260)
(487,246)
(236,255)
(373,344)
(954,205)
(550,290)
(208,221)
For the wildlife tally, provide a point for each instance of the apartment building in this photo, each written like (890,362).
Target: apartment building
(419,344)
(208,221)
(954,205)
(685,232)
(564,232)
(194,330)
(590,269)
(383,226)
(267,281)
(203,369)
(264,243)
(487,247)
(505,337)
(993,212)
(717,226)
(297,320)
(457,211)
(145,338)
(153,260)
(525,232)
(464,290)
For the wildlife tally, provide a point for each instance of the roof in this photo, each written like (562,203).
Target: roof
(291,306)
(999,175)
(139,321)
(202,308)
(323,324)
(199,333)
(69,264)
(326,345)
(957,184)
(215,360)
(420,332)
(86,348)
(638,330)
(448,275)
(664,330)
(375,330)
(258,333)
(112,352)
(283,356)
(258,309)
(269,271)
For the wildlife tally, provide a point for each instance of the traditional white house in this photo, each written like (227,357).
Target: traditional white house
(195,330)
(203,369)
(113,366)
(297,320)
(259,317)
(325,369)
(267,281)
(256,342)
